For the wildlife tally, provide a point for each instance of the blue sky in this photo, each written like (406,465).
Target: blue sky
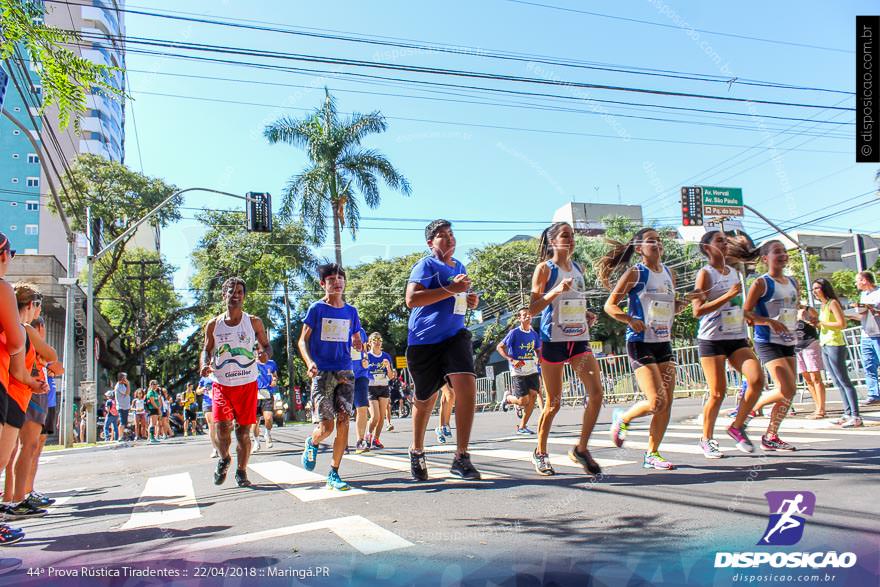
(460,163)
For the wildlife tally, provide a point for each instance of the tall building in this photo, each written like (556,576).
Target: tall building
(586,217)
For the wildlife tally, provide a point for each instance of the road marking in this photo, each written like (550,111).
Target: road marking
(761,423)
(604,443)
(289,476)
(47,459)
(359,532)
(166,499)
(403,464)
(696,435)
(526,456)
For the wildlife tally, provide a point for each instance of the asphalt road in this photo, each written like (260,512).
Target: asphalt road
(155,507)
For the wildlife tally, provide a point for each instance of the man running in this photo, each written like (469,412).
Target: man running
(229,352)
(520,347)
(266,395)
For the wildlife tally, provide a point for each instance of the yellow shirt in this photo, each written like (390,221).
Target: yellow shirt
(829,336)
(189,398)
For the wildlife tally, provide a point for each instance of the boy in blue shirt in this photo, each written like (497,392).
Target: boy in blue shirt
(330,329)
(440,349)
(360,367)
(520,347)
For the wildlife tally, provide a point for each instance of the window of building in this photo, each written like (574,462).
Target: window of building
(14,180)
(31,252)
(13,204)
(32,206)
(16,109)
(16,132)
(13,228)
(33,158)
(31,229)
(33,182)
(15,155)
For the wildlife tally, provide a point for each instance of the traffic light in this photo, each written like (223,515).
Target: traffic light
(258,207)
(692,206)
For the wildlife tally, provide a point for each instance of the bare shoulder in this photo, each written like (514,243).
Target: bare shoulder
(256,322)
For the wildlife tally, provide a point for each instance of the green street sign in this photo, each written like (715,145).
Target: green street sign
(722,201)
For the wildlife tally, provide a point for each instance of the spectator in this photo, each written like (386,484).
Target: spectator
(190,410)
(831,324)
(140,415)
(83,415)
(809,358)
(868,312)
(175,417)
(122,395)
(111,417)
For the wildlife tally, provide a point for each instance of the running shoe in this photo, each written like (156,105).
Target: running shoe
(464,469)
(361,447)
(840,420)
(522,430)
(418,466)
(39,500)
(268,440)
(529,430)
(519,412)
(24,510)
(7,536)
(241,478)
(447,431)
(504,405)
(335,482)
(154,441)
(710,449)
(586,460)
(214,453)
(618,428)
(855,422)
(871,401)
(742,441)
(732,413)
(221,470)
(542,464)
(775,443)
(441,438)
(255,441)
(377,444)
(389,427)
(655,461)
(310,455)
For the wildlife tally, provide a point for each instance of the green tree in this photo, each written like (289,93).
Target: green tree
(66,78)
(339,170)
(118,197)
(796,269)
(844,283)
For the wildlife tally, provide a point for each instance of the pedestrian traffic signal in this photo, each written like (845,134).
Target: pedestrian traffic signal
(692,206)
(258,207)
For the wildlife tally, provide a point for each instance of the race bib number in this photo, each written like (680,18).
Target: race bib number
(335,329)
(263,394)
(732,320)
(381,379)
(529,367)
(460,304)
(661,313)
(572,311)
(355,354)
(788,317)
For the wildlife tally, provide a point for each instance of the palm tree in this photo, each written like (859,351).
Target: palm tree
(339,169)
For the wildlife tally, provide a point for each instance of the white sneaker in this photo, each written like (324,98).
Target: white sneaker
(267,438)
(215,454)
(256,443)
(854,422)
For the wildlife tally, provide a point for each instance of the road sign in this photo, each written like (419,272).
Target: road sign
(400,362)
(692,206)
(259,212)
(722,201)
(4,81)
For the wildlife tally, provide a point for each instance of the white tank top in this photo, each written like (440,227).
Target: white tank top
(564,319)
(725,323)
(235,357)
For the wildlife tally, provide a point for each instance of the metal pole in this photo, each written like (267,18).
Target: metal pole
(90,302)
(67,420)
(857,249)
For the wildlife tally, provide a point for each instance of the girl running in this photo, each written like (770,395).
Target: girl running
(722,337)
(772,305)
(649,288)
(558,294)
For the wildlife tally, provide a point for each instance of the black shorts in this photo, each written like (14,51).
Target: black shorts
(431,364)
(649,353)
(4,403)
(379,391)
(718,348)
(15,416)
(191,415)
(521,385)
(152,411)
(770,351)
(563,352)
(265,405)
(49,426)
(395,394)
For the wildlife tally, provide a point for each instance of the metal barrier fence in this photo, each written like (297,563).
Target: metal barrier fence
(619,382)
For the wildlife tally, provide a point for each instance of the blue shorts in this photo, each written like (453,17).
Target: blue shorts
(362,392)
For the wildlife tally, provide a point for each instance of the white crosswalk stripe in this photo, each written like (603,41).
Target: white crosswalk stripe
(164,500)
(293,479)
(402,464)
(560,461)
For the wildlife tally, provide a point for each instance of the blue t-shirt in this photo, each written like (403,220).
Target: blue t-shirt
(52,392)
(205,383)
(441,320)
(378,373)
(264,377)
(357,358)
(332,328)
(522,345)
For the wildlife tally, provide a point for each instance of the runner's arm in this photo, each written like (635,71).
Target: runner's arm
(43,349)
(418,295)
(9,319)
(262,337)
(539,300)
(207,349)
(502,350)
(618,294)
(303,346)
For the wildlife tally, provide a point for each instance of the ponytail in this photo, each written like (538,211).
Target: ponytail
(741,249)
(620,254)
(545,248)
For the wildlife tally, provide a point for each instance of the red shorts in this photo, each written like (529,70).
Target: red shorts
(235,402)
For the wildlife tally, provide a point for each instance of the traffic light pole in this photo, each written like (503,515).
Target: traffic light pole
(92,259)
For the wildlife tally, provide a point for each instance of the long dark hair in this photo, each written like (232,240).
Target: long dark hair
(545,248)
(619,255)
(827,288)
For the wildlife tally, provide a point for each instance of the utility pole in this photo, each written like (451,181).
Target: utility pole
(141,278)
(288,344)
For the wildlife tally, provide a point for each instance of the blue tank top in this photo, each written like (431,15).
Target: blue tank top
(779,302)
(652,300)
(564,319)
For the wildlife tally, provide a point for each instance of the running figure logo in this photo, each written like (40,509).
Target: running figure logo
(786,524)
